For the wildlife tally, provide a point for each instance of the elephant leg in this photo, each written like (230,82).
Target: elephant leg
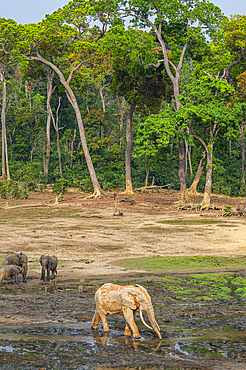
(95,320)
(127,330)
(129,317)
(103,317)
(48,274)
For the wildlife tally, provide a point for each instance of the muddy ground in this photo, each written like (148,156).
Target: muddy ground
(47,326)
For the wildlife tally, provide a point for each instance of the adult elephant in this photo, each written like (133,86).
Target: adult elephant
(18,259)
(112,299)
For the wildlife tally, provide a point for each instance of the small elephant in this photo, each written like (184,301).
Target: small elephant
(50,264)
(7,271)
(18,259)
(112,298)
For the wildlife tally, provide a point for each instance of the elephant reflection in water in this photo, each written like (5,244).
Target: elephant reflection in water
(112,299)
(102,339)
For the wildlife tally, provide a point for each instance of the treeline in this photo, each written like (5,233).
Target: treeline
(92,102)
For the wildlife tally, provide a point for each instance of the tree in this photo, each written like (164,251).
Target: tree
(207,103)
(141,86)
(63,42)
(178,25)
(4,136)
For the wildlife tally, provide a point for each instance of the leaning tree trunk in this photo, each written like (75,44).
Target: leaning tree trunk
(208,185)
(129,189)
(50,76)
(192,188)
(97,189)
(72,99)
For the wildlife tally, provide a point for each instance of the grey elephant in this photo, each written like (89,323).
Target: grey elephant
(48,263)
(18,259)
(9,271)
(112,298)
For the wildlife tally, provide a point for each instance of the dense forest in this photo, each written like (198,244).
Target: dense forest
(106,95)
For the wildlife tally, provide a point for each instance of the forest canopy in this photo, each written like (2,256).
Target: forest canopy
(113,95)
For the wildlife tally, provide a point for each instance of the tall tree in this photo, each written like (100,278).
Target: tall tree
(142,87)
(64,42)
(180,24)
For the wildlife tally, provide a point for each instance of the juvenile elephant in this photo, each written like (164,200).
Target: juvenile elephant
(48,263)
(7,271)
(112,298)
(18,259)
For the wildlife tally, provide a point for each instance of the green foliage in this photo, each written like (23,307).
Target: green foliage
(60,186)
(12,189)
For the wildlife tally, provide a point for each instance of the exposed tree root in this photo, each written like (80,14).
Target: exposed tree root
(26,206)
(98,195)
(199,207)
(152,189)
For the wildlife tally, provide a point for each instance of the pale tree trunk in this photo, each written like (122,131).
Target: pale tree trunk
(243,152)
(183,192)
(187,156)
(72,145)
(4,136)
(56,127)
(192,188)
(50,76)
(129,189)
(147,177)
(103,107)
(208,185)
(72,99)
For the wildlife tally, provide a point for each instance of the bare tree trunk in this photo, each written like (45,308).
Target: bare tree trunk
(243,152)
(183,190)
(56,127)
(3,125)
(192,188)
(4,136)
(50,76)
(189,158)
(208,185)
(147,177)
(72,144)
(129,189)
(58,151)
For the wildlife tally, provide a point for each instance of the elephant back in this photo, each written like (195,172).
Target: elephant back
(11,259)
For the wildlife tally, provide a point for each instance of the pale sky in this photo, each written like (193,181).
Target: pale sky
(33,11)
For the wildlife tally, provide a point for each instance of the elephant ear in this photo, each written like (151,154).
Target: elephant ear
(127,299)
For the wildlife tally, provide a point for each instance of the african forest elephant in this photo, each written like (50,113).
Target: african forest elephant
(7,271)
(112,298)
(18,259)
(48,263)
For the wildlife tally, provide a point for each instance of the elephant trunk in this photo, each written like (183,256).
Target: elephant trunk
(151,317)
(43,273)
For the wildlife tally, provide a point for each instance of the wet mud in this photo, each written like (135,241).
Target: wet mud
(202,318)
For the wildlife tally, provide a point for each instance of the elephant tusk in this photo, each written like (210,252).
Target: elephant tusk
(141,315)
(157,326)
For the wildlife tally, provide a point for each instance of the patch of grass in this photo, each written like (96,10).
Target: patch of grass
(157,229)
(195,222)
(192,263)
(204,287)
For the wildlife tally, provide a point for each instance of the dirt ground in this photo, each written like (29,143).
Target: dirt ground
(87,238)
(47,325)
